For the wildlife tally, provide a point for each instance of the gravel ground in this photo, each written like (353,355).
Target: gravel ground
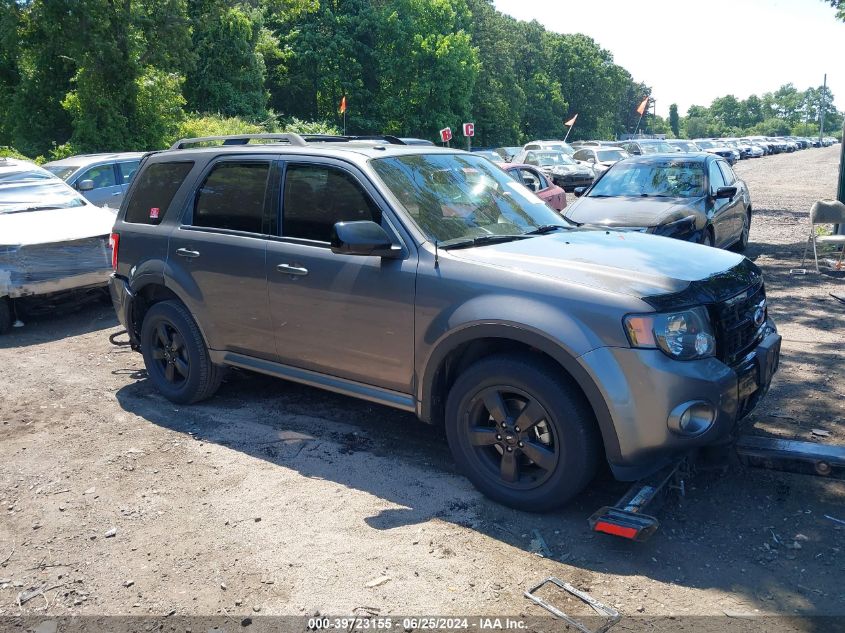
(273,498)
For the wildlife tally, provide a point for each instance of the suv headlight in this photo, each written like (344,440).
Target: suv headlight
(683,334)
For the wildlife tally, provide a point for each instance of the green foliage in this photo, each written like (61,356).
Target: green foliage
(674,120)
(11,152)
(308,127)
(839,5)
(229,74)
(159,108)
(195,125)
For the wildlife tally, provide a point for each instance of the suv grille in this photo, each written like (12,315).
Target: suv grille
(739,323)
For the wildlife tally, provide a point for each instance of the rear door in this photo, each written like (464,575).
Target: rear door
(343,315)
(107,190)
(216,255)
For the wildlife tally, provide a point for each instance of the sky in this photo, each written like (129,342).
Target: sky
(692,52)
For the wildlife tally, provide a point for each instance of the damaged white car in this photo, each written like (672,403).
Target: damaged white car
(53,242)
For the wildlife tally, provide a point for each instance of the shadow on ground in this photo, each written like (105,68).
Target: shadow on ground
(730,531)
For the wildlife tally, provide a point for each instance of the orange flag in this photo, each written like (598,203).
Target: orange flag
(343,104)
(571,121)
(642,106)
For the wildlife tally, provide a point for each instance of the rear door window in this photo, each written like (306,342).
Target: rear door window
(154,191)
(127,171)
(233,197)
(318,196)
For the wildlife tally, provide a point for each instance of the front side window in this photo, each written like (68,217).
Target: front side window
(453,197)
(232,197)
(318,196)
(716,178)
(102,176)
(727,173)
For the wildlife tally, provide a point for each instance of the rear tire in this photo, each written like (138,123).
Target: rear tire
(5,315)
(175,354)
(521,434)
(707,239)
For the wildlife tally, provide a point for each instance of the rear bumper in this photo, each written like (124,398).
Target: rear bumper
(82,281)
(643,387)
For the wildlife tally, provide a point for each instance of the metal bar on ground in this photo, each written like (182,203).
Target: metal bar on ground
(807,458)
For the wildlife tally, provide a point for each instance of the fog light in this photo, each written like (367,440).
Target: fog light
(692,418)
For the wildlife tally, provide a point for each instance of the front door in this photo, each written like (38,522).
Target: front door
(217,255)
(107,191)
(344,315)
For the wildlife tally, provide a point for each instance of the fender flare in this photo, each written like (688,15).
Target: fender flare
(425,391)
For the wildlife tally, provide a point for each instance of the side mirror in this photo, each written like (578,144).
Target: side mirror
(579,191)
(725,192)
(85,185)
(363,237)
(591,159)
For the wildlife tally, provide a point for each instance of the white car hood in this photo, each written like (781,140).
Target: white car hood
(55,225)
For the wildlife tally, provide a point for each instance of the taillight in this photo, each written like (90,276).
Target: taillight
(114,242)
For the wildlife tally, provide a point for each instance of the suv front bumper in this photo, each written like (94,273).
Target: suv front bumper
(642,388)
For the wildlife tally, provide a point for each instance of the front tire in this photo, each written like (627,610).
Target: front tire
(742,243)
(523,436)
(175,354)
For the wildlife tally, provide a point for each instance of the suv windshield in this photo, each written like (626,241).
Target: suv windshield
(670,178)
(656,148)
(37,193)
(453,197)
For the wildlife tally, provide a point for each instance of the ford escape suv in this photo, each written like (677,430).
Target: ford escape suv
(428,280)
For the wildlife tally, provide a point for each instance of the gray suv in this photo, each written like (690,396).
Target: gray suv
(428,280)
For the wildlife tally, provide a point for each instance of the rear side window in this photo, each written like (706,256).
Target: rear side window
(233,197)
(154,191)
(127,171)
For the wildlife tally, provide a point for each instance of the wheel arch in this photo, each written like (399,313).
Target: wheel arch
(462,348)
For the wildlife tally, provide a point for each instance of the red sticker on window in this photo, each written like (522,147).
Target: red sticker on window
(154,213)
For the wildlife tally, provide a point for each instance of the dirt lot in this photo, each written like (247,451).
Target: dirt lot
(273,498)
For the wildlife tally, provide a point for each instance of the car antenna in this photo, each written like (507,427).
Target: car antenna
(436,254)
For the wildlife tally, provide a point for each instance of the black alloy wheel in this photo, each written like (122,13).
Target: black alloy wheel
(522,432)
(175,354)
(511,437)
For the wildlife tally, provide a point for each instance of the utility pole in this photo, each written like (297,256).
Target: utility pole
(824,98)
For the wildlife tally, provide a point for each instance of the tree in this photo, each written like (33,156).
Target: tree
(674,120)
(229,75)
(839,5)
(726,110)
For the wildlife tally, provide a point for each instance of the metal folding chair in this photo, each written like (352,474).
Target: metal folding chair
(825,212)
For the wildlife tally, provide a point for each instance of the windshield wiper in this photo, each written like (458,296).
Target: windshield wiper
(545,228)
(35,208)
(482,241)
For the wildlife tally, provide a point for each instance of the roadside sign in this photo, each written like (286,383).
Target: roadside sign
(469,129)
(446,134)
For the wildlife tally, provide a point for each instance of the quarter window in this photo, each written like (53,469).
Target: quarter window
(102,176)
(316,197)
(232,197)
(154,191)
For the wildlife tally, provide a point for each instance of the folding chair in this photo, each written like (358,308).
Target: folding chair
(825,212)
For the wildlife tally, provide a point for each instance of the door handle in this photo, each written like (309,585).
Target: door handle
(117,193)
(292,270)
(186,252)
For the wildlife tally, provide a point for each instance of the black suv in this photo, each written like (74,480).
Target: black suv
(428,280)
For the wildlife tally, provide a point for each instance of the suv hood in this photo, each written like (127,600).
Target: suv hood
(55,225)
(629,211)
(635,264)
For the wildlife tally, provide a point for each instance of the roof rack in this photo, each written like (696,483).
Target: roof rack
(289,137)
(241,139)
(333,138)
